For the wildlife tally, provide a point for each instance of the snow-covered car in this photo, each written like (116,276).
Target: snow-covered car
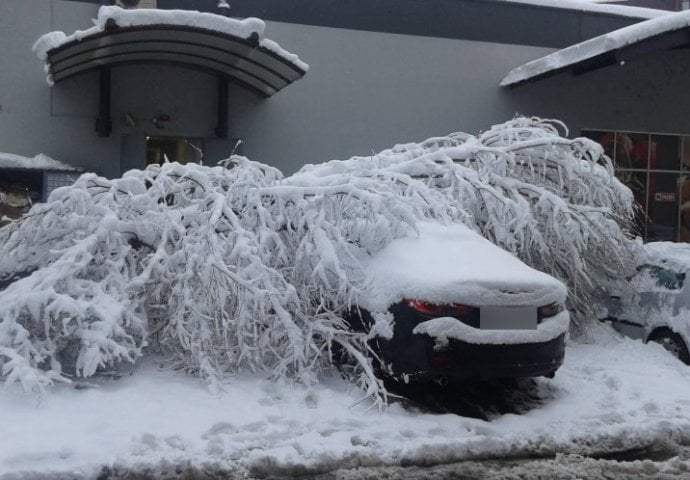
(654,304)
(461,308)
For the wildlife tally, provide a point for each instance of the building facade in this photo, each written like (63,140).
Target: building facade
(380,73)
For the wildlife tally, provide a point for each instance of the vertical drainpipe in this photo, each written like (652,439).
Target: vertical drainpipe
(104,124)
(222,121)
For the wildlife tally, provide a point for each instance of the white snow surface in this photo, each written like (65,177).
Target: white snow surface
(588,6)
(448,328)
(675,256)
(139,17)
(598,45)
(615,396)
(453,264)
(39,162)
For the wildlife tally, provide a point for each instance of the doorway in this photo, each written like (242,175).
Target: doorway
(173,149)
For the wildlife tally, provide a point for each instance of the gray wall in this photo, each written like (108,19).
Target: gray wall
(650,94)
(366,91)
(59,121)
(33,117)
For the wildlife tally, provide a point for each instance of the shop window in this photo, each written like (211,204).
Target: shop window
(605,139)
(632,151)
(173,149)
(662,207)
(656,168)
(664,153)
(685,153)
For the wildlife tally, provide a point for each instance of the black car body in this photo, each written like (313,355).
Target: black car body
(462,309)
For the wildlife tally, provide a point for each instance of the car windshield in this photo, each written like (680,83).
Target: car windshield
(654,277)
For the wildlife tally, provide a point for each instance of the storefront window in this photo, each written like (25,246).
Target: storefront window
(662,207)
(685,153)
(655,167)
(632,150)
(664,152)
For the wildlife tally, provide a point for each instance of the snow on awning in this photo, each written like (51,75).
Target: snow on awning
(661,33)
(39,162)
(231,48)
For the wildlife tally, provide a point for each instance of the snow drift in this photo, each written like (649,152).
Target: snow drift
(234,268)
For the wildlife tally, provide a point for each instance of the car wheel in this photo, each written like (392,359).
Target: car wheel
(672,342)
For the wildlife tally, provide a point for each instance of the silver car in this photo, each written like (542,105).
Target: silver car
(655,304)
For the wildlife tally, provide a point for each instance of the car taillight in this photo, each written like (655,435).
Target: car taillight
(440,310)
(549,310)
(426,308)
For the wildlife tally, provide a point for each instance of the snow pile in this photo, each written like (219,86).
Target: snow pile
(453,264)
(235,269)
(39,162)
(597,46)
(443,329)
(123,18)
(617,396)
(224,269)
(674,256)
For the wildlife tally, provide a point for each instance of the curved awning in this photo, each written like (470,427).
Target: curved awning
(243,60)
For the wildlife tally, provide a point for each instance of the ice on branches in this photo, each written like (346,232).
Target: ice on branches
(552,201)
(234,268)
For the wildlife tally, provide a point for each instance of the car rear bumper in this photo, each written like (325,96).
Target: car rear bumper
(421,359)
(466,353)
(466,361)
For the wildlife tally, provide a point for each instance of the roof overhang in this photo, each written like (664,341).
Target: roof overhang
(630,43)
(241,60)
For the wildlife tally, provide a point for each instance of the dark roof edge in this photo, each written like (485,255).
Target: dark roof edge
(511,23)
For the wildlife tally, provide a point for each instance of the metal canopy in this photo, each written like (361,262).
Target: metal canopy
(240,60)
(662,41)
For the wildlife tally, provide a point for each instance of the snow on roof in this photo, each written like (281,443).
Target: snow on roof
(453,264)
(589,6)
(189,18)
(596,46)
(39,162)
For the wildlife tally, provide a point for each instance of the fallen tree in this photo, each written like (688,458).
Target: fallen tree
(234,268)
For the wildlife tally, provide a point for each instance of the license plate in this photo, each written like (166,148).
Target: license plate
(508,318)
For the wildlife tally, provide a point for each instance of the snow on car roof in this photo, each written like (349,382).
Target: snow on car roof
(453,264)
(39,162)
(596,46)
(190,18)
(589,6)
(675,256)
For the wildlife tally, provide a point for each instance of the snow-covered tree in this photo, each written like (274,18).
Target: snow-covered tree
(552,201)
(235,268)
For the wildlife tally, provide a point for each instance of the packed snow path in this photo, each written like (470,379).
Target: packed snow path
(616,396)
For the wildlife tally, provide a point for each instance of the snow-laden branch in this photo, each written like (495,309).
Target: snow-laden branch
(234,268)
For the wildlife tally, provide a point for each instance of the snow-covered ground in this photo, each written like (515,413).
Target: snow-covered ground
(615,395)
